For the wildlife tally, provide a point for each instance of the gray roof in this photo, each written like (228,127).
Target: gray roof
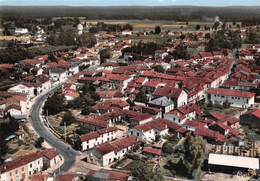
(162,101)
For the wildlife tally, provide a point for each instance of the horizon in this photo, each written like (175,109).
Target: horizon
(127,3)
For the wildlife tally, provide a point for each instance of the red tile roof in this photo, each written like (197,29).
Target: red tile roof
(152,151)
(97,121)
(168,91)
(97,134)
(116,145)
(228,92)
(108,175)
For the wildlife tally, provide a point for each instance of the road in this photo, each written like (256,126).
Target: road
(67,153)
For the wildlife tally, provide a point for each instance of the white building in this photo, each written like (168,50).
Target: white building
(20,31)
(231,161)
(24,167)
(21,168)
(181,114)
(149,131)
(107,153)
(93,139)
(24,88)
(234,97)
(58,74)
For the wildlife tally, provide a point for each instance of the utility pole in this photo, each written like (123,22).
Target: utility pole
(65,130)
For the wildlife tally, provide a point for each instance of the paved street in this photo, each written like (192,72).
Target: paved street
(68,153)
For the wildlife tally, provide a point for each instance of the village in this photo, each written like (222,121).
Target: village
(161,105)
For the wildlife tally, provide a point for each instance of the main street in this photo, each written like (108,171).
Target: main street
(68,154)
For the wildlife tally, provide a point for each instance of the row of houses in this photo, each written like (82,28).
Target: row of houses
(22,168)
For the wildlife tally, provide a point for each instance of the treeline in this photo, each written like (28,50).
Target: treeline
(178,13)
(72,39)
(15,54)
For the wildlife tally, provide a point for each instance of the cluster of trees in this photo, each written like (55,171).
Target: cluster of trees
(142,48)
(223,40)
(86,100)
(141,97)
(7,127)
(101,26)
(145,172)
(159,13)
(252,37)
(180,52)
(187,159)
(67,119)
(105,54)
(13,55)
(17,53)
(72,39)
(54,104)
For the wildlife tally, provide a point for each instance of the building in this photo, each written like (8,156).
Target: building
(181,114)
(163,103)
(58,74)
(107,153)
(24,88)
(251,118)
(24,167)
(149,131)
(93,139)
(178,96)
(235,98)
(230,163)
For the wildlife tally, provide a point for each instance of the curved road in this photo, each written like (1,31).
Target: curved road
(65,150)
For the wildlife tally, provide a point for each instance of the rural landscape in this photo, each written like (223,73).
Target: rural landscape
(129,91)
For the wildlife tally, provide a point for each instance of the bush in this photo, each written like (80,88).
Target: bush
(68,118)
(38,142)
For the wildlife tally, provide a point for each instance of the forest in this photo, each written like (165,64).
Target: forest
(175,13)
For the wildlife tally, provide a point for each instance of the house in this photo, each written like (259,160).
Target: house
(104,175)
(20,31)
(22,168)
(107,153)
(95,123)
(51,158)
(181,114)
(231,163)
(164,103)
(136,118)
(149,131)
(58,74)
(24,88)
(230,121)
(235,98)
(152,152)
(104,135)
(107,105)
(70,94)
(178,96)
(251,118)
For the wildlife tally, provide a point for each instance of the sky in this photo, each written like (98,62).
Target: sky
(130,2)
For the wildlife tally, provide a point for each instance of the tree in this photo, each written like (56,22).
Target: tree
(141,97)
(68,118)
(197,27)
(86,110)
(105,54)
(38,142)
(144,172)
(157,30)
(252,37)
(54,104)
(189,157)
(181,52)
(168,147)
(207,35)
(159,68)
